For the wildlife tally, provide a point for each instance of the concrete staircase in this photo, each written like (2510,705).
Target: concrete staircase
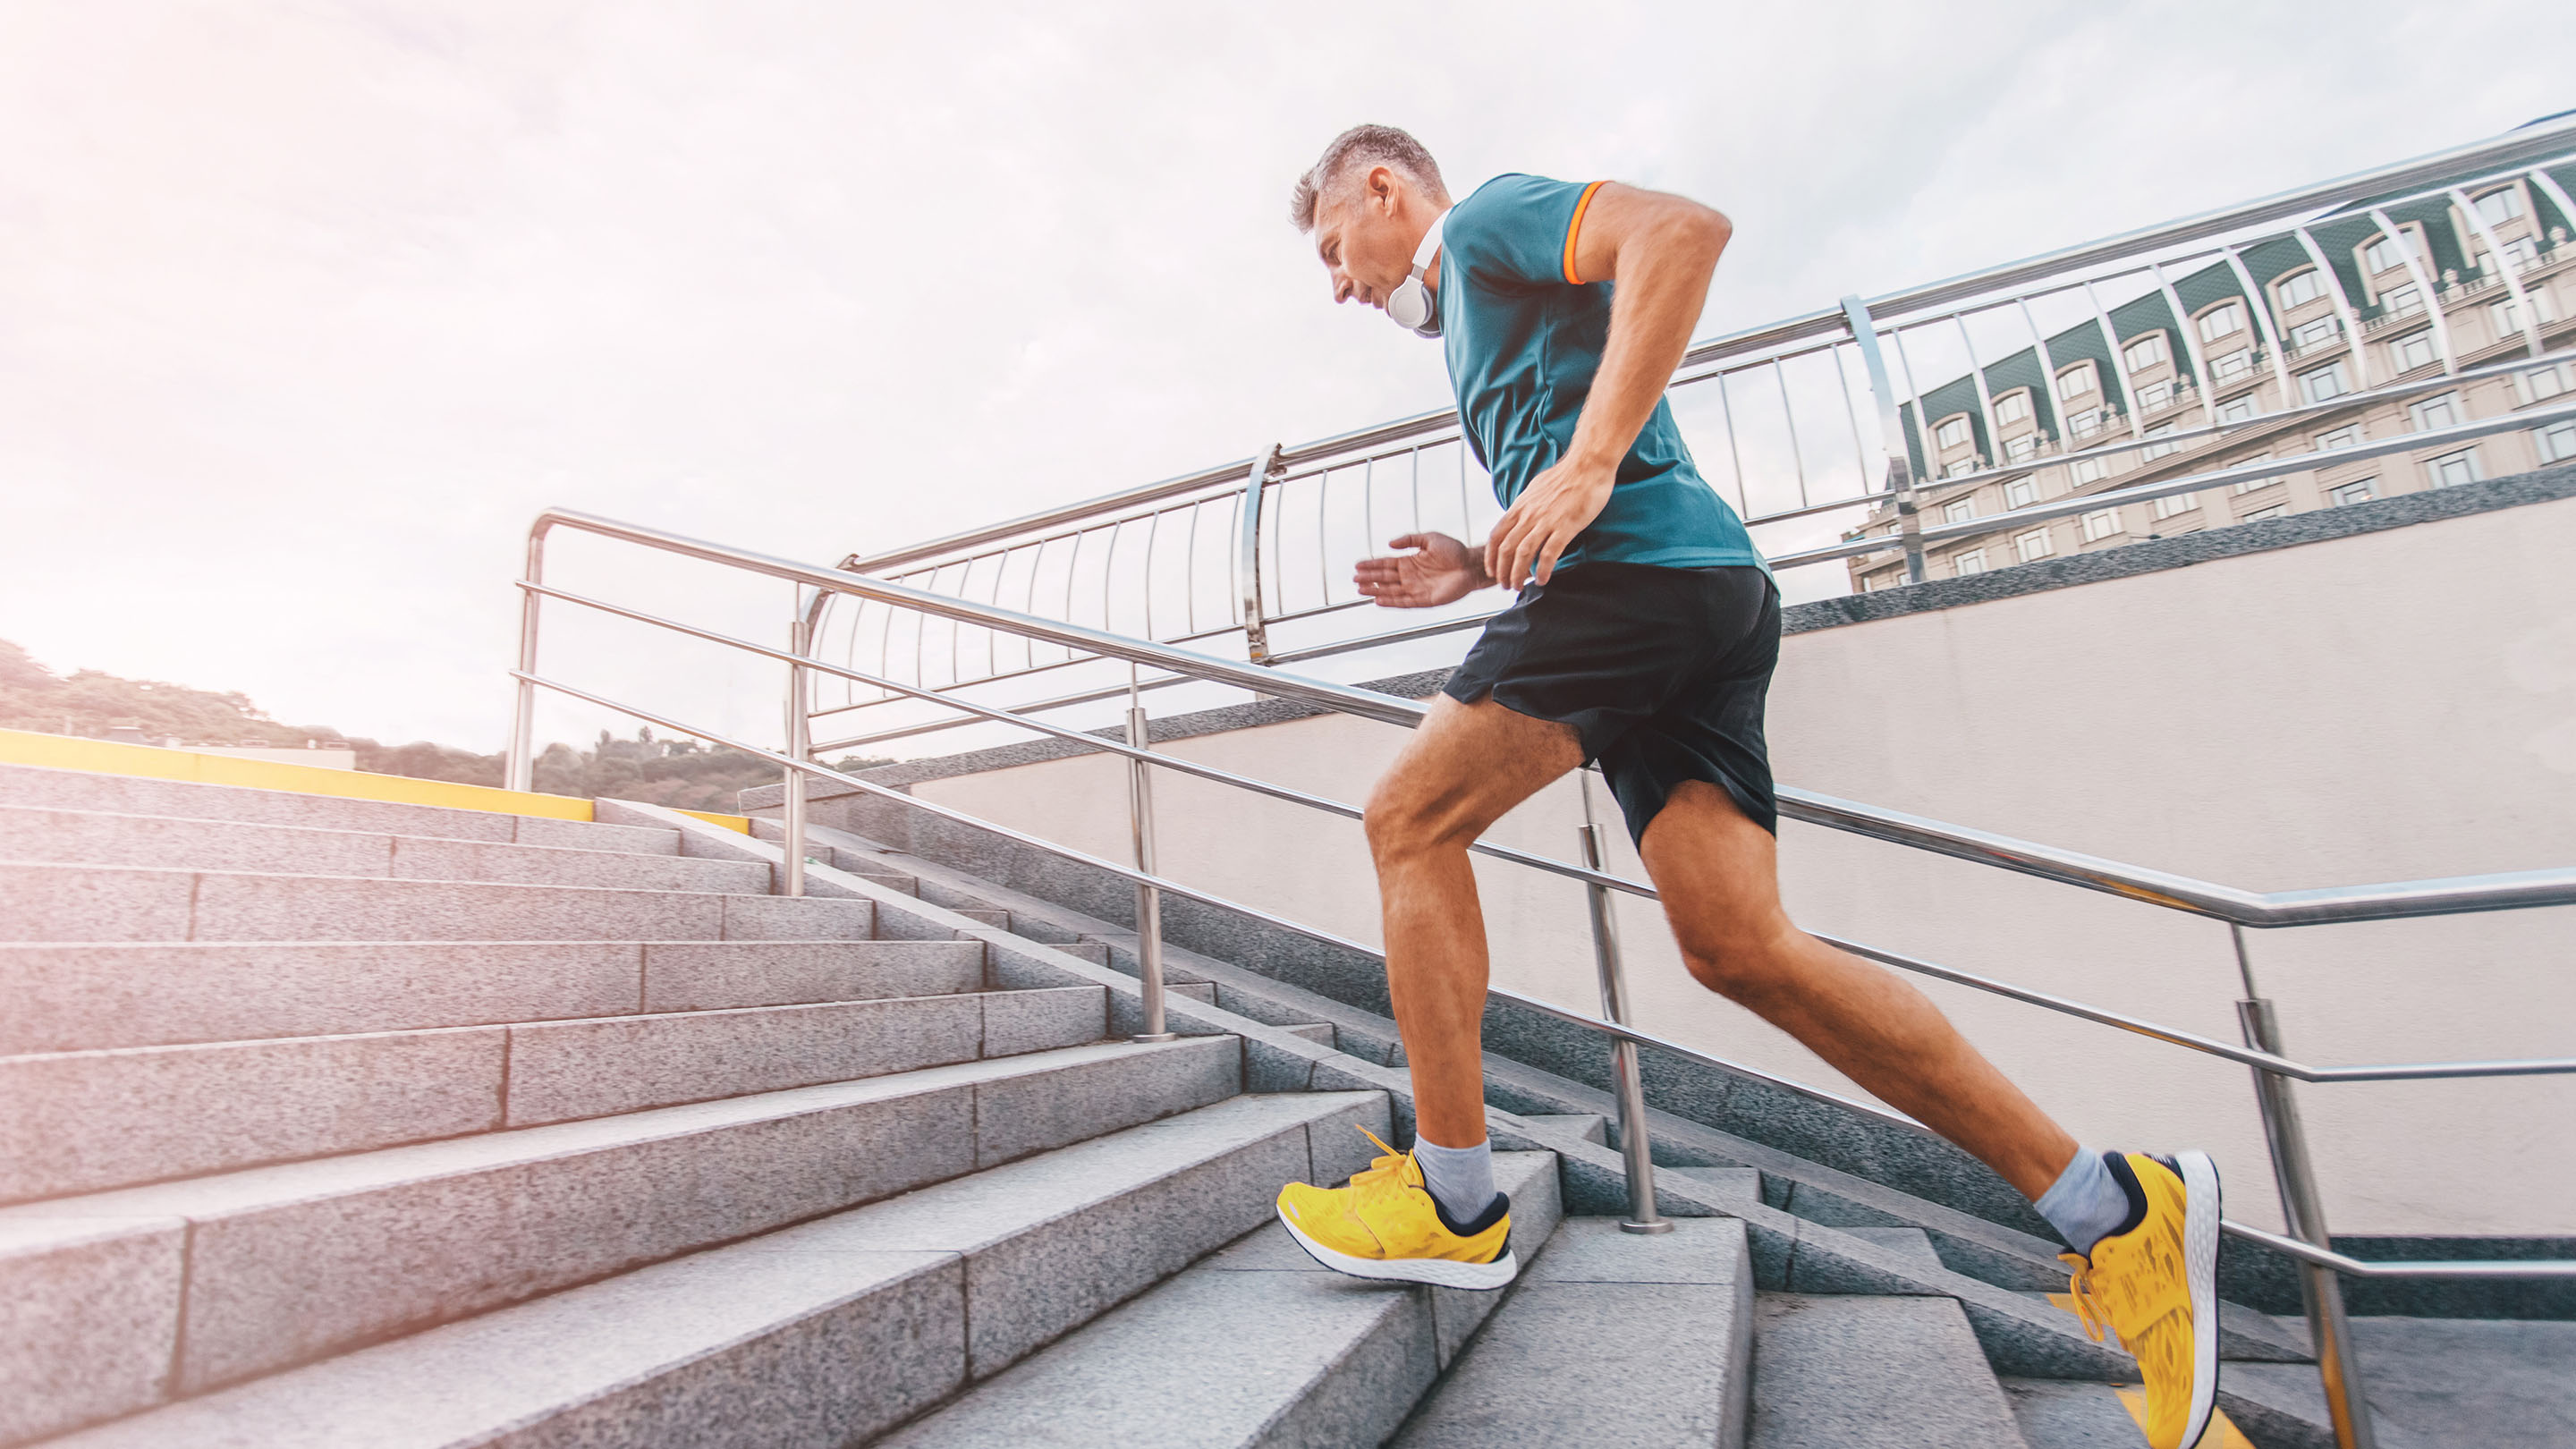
(340,1123)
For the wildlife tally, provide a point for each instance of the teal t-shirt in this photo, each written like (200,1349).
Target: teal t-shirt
(1524,338)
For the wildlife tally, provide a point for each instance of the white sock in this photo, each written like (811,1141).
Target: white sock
(1462,1178)
(2085,1204)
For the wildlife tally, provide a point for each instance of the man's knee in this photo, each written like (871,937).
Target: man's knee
(1404,821)
(1744,961)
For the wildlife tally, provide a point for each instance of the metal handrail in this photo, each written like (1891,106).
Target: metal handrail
(2309,1243)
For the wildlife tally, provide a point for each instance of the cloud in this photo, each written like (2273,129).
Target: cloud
(306,308)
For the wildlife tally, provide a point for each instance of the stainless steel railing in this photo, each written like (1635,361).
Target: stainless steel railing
(2308,1241)
(1818,428)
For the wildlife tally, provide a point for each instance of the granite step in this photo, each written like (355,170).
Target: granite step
(87,1121)
(1610,1340)
(113,903)
(1258,1345)
(814,1337)
(145,1294)
(91,837)
(28,785)
(74,996)
(1860,1372)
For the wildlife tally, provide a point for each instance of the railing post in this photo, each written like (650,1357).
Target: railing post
(1634,1147)
(2304,1212)
(1149,901)
(522,772)
(1900,459)
(799,639)
(1256,634)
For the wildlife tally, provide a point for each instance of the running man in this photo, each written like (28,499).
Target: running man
(1643,638)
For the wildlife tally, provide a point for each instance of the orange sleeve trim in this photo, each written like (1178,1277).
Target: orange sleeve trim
(1574,229)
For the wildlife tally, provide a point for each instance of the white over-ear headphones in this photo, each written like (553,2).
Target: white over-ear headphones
(1411,303)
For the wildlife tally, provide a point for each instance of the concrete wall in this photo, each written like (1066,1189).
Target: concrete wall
(2373,705)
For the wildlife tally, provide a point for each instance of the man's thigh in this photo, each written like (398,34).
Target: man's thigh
(1465,766)
(1717,871)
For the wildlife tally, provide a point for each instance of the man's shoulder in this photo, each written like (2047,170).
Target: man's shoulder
(1510,232)
(1506,197)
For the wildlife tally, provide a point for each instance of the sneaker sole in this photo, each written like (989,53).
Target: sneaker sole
(2200,1215)
(1437,1272)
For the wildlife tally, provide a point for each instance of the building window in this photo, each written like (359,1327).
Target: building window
(2320,383)
(2315,333)
(2523,253)
(2091,470)
(2086,423)
(2381,255)
(2177,503)
(2144,353)
(2414,350)
(1953,431)
(2035,544)
(2075,382)
(2360,490)
(2158,450)
(2559,443)
(1876,582)
(2225,320)
(2343,437)
(2507,318)
(2274,511)
(2400,301)
(2236,410)
(2453,469)
(2234,365)
(2154,395)
(2498,207)
(1971,562)
(1960,511)
(2436,412)
(2012,407)
(2542,382)
(1960,469)
(2021,493)
(2022,449)
(2099,526)
(2304,288)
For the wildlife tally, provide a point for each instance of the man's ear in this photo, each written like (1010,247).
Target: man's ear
(1381,185)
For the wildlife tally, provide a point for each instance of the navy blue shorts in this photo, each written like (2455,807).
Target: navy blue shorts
(1661,671)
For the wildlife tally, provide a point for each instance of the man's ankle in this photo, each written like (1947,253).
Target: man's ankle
(1460,1178)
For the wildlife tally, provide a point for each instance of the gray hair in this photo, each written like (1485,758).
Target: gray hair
(1361,146)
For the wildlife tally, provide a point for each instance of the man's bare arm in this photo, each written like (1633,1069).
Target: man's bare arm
(1661,250)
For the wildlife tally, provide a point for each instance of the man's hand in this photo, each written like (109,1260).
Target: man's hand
(1542,522)
(1439,570)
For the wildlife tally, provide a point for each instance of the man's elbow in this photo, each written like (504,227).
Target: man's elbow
(1710,228)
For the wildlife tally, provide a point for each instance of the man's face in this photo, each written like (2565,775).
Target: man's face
(1365,234)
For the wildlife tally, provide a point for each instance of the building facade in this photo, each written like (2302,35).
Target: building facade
(2203,360)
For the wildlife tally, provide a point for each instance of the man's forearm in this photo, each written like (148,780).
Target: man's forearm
(1663,271)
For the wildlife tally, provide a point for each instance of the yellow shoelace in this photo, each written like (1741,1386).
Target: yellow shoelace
(2088,1304)
(1384,1172)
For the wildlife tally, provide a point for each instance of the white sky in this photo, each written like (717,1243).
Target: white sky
(307,307)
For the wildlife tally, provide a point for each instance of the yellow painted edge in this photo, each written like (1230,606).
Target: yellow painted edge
(108,757)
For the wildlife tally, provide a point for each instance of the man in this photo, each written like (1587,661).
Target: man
(1643,638)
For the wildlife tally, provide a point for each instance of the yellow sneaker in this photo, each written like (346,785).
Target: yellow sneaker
(1384,1225)
(2155,1287)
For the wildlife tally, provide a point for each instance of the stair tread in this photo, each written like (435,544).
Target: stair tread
(89,995)
(596,1356)
(1609,1340)
(1856,1372)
